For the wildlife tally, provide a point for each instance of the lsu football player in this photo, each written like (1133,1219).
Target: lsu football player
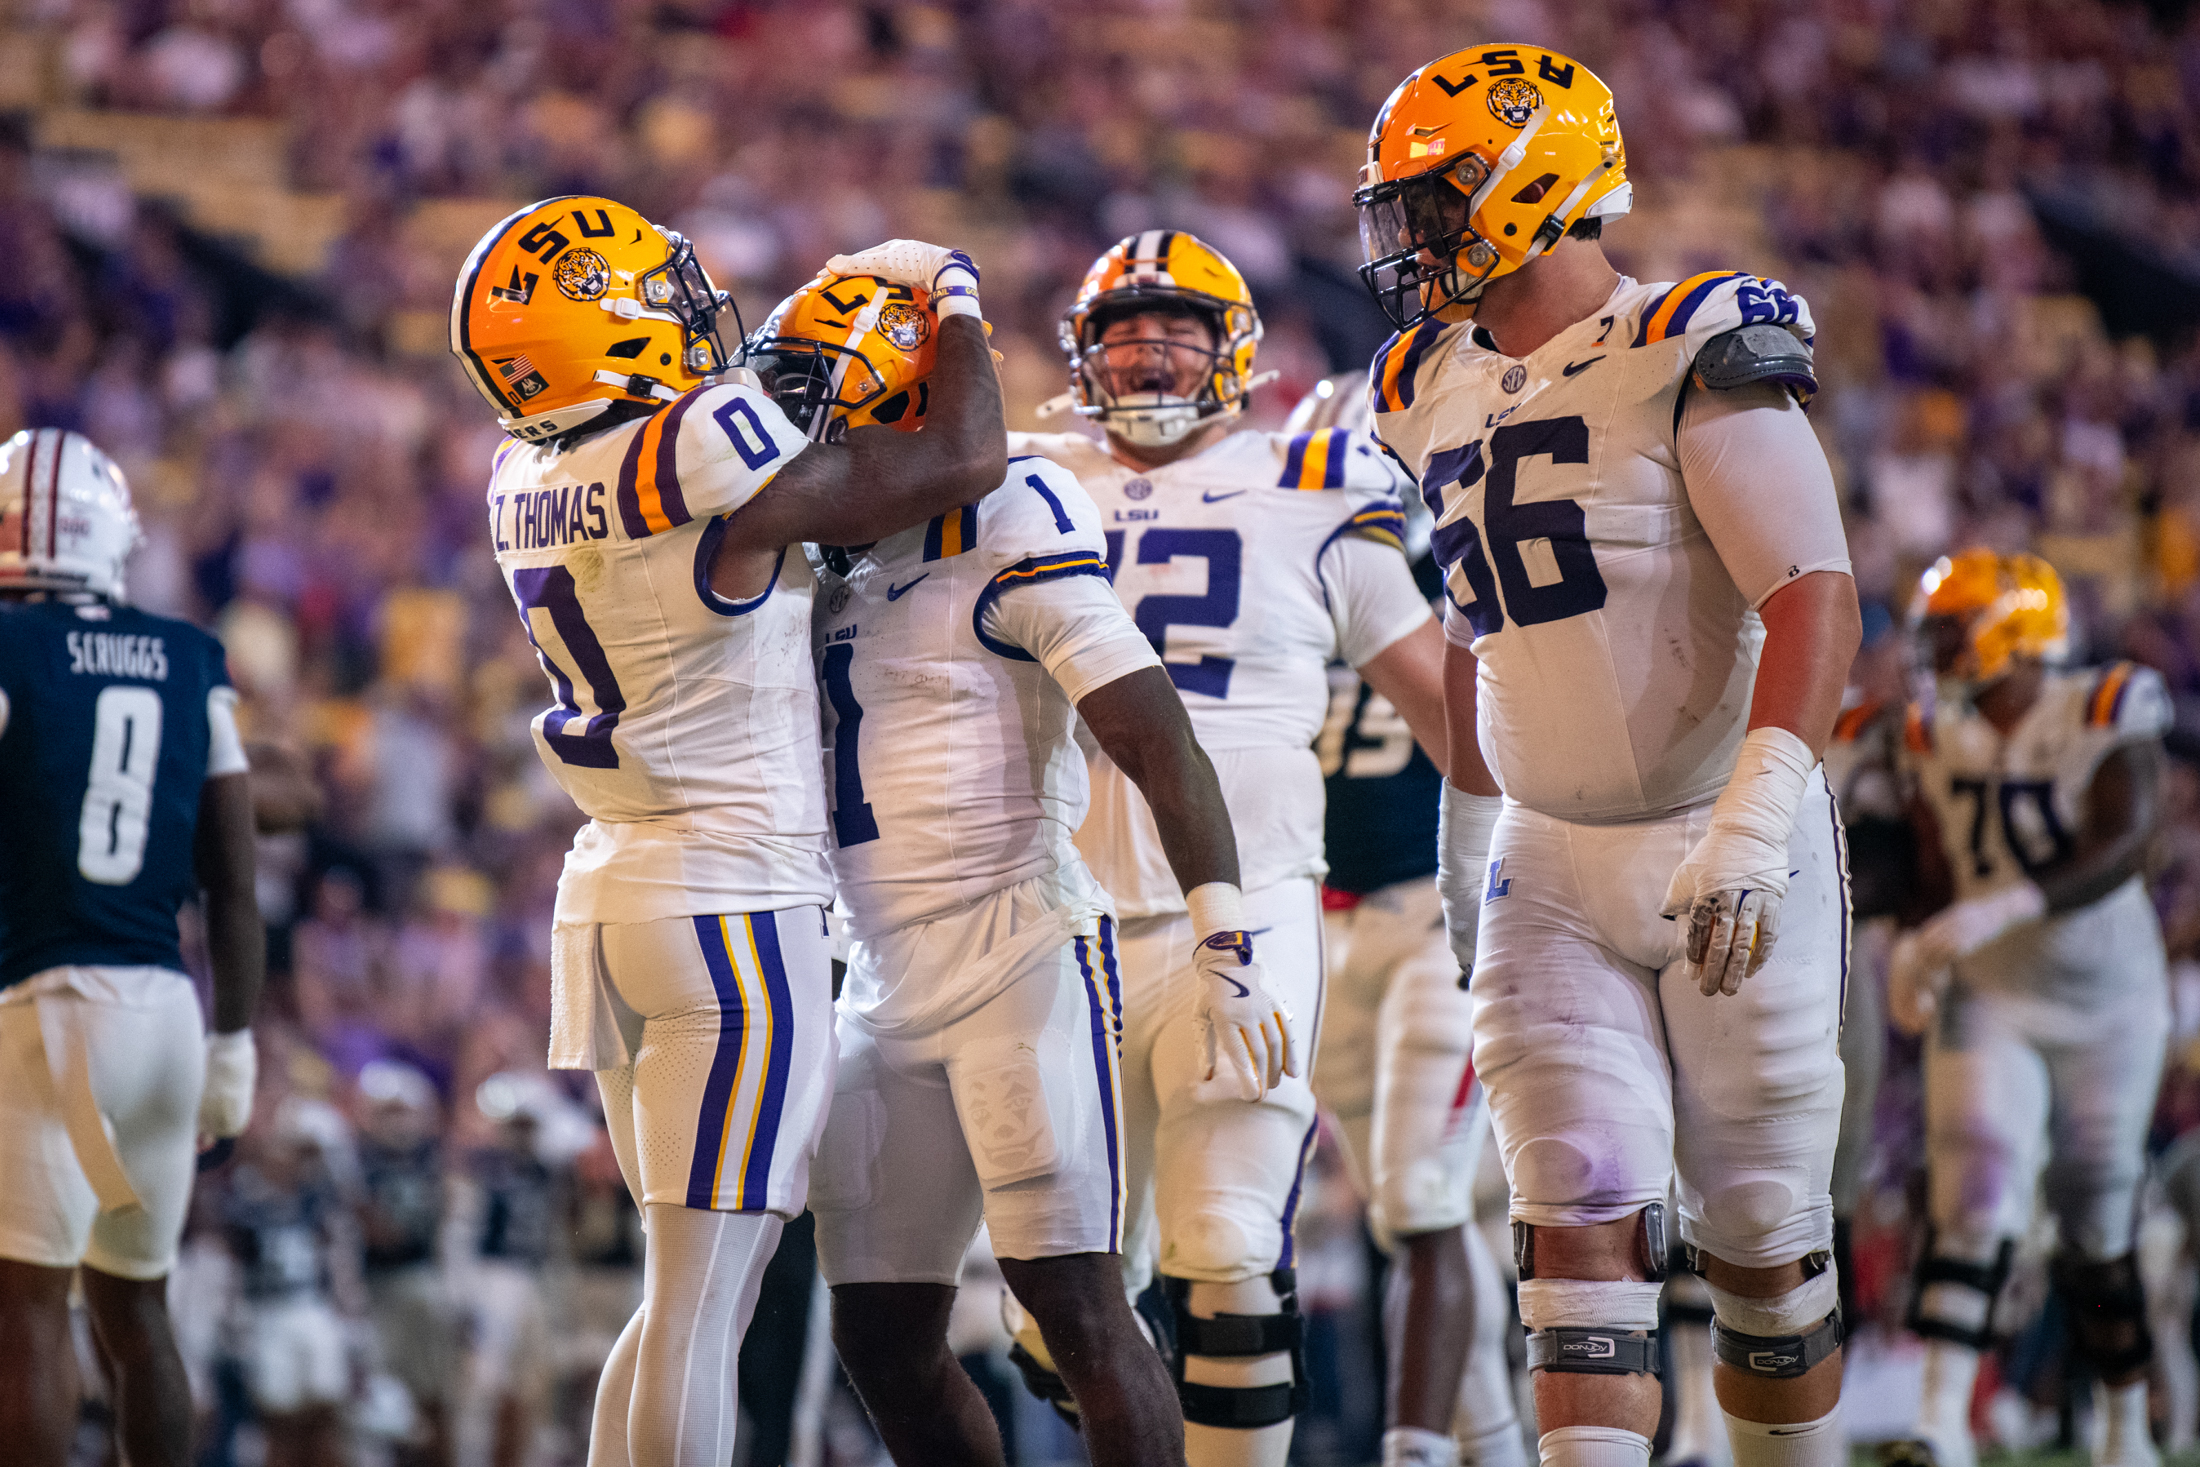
(123,794)
(1650,619)
(1250,560)
(2041,990)
(648,515)
(1396,1070)
(982,1013)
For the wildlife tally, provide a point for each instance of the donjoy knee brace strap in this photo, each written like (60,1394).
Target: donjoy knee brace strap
(1580,1326)
(1782,1336)
(2107,1310)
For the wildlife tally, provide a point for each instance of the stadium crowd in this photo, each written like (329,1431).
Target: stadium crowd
(311,488)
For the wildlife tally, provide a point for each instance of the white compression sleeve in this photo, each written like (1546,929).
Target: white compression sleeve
(1760,484)
(1076,629)
(1372,596)
(701,1275)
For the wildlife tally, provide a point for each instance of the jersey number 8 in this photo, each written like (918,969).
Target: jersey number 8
(118,792)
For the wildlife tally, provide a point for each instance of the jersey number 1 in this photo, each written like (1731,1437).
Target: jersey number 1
(853,822)
(118,794)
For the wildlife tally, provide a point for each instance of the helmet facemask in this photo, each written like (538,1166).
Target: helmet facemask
(1422,254)
(1153,389)
(681,288)
(819,385)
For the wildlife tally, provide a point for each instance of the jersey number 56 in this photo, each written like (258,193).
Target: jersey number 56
(1469,580)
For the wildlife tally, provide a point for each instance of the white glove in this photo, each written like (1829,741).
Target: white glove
(232,1067)
(1914,986)
(1727,894)
(1923,959)
(1464,825)
(950,277)
(1241,1026)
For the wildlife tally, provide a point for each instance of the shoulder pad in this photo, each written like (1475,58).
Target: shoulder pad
(1716,302)
(1757,354)
(1040,508)
(1391,385)
(2130,699)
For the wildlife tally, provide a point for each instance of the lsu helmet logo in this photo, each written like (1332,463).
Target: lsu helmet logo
(1514,100)
(583,275)
(905,325)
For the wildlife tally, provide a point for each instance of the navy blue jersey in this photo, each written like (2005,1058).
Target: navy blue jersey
(102,759)
(1381,824)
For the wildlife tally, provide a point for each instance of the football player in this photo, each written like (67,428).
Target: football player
(1250,560)
(648,515)
(981,1018)
(2041,990)
(123,794)
(1650,617)
(1395,1069)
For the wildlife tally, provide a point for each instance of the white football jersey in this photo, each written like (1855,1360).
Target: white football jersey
(953,769)
(1617,655)
(1219,558)
(2007,806)
(683,724)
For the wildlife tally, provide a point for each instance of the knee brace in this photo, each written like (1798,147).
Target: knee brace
(2107,1307)
(1954,1298)
(1587,1327)
(1239,1336)
(1785,1335)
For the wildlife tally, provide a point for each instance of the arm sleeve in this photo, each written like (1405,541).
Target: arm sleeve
(1372,597)
(1073,626)
(1760,484)
(224,749)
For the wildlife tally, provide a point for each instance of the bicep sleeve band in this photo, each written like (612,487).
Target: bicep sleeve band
(224,748)
(1759,353)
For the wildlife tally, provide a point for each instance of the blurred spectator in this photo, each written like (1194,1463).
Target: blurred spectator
(401,1209)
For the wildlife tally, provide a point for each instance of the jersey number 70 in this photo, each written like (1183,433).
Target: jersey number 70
(1468,573)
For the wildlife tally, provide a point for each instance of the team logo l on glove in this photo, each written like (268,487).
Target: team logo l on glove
(1240,1024)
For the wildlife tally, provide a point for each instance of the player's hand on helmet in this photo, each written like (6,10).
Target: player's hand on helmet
(950,277)
(1244,1029)
(1916,978)
(232,1069)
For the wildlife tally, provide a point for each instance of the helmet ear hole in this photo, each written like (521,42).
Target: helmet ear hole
(632,347)
(891,410)
(1534,192)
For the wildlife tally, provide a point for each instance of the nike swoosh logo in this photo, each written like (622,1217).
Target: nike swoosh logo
(1242,990)
(1208,497)
(895,593)
(1572,367)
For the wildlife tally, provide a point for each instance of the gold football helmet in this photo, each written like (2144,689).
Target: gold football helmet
(1162,270)
(848,350)
(1478,163)
(575,295)
(1990,609)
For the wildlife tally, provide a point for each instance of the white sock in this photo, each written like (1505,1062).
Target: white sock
(1410,1446)
(1944,1402)
(614,1398)
(2120,1420)
(1819,1443)
(1696,1432)
(1500,1446)
(700,1280)
(1593,1446)
(1485,1421)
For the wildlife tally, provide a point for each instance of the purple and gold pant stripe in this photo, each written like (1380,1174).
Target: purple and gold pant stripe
(1104,996)
(737,1131)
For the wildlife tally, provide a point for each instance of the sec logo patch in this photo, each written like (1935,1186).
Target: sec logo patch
(1515,378)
